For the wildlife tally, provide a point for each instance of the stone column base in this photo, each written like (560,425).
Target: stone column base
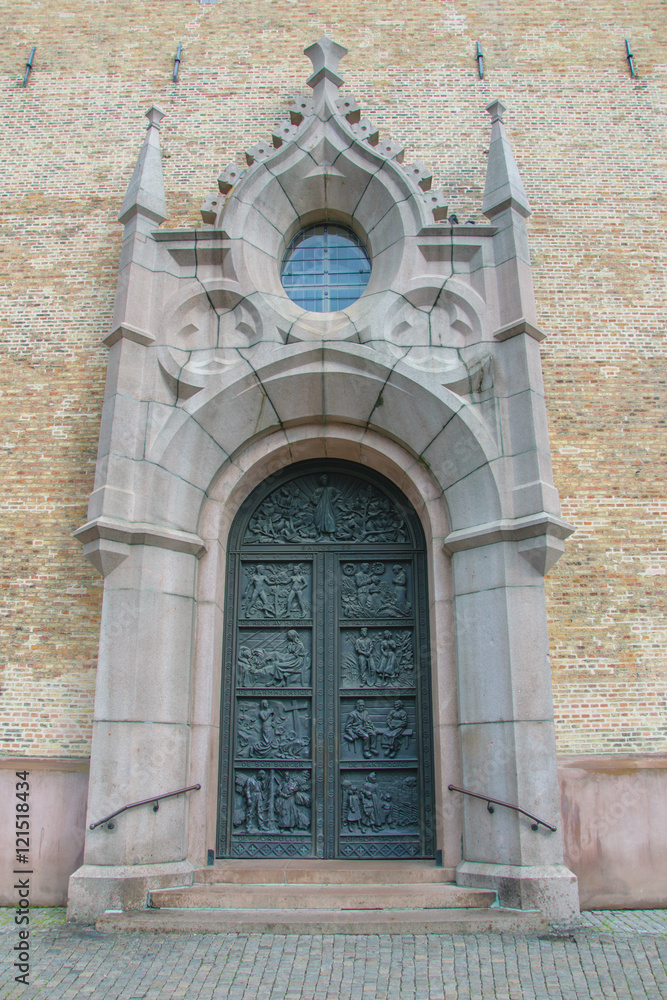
(96,888)
(551,889)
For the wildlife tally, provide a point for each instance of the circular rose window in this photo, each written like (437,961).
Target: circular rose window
(325,268)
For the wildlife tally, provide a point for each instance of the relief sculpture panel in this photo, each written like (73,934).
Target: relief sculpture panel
(272,801)
(273,728)
(376,589)
(374,657)
(269,658)
(385,802)
(276,590)
(374,727)
(327,508)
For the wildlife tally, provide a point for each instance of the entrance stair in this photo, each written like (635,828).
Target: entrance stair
(324,897)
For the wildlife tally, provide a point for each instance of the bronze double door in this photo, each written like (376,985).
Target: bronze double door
(326,729)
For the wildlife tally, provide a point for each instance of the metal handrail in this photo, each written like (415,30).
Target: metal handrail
(155,799)
(508,805)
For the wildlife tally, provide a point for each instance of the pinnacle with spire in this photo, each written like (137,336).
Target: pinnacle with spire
(504,187)
(145,197)
(325,80)
(325,55)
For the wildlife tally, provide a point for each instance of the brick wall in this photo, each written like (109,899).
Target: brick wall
(588,142)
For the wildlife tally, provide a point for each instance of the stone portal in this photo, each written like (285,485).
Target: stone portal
(218,379)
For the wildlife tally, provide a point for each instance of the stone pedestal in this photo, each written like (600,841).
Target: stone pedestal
(551,889)
(93,889)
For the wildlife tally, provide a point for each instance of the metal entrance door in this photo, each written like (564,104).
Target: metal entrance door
(326,731)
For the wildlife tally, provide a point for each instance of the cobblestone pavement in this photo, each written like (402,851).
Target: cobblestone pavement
(612,954)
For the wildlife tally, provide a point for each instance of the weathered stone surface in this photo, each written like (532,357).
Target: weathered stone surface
(449,921)
(550,889)
(96,888)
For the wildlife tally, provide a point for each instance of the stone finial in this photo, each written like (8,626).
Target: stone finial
(504,187)
(496,110)
(145,193)
(155,116)
(325,56)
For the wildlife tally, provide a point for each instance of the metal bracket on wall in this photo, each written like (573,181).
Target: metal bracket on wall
(629,56)
(177,62)
(480,61)
(28,66)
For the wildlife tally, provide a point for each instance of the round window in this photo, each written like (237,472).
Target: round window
(325,268)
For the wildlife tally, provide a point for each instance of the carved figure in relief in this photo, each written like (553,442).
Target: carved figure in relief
(292,663)
(386,810)
(363,647)
(370,804)
(287,511)
(246,666)
(258,590)
(351,806)
(379,659)
(324,498)
(298,584)
(363,581)
(285,664)
(386,668)
(268,743)
(267,731)
(359,726)
(253,792)
(256,667)
(263,666)
(291,800)
(277,802)
(396,727)
(400,582)
(365,593)
(276,592)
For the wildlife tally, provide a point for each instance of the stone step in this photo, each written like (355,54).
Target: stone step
(323,872)
(316,896)
(399,921)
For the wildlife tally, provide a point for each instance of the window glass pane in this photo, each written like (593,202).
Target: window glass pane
(326,268)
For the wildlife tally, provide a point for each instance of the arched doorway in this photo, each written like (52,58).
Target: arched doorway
(326,727)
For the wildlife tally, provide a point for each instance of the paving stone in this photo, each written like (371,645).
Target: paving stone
(612,954)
